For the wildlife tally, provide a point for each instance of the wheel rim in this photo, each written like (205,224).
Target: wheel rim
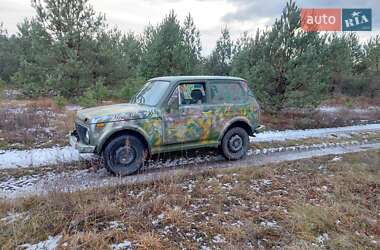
(125,155)
(235,143)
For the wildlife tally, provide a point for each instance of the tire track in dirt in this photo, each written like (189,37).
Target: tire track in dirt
(84,179)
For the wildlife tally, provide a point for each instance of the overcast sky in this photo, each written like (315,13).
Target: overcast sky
(209,15)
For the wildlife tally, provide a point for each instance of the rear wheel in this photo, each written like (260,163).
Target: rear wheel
(235,143)
(124,155)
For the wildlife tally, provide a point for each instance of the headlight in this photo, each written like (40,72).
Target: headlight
(100,125)
(87,137)
(258,114)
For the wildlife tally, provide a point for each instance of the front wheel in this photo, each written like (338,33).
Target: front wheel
(124,155)
(235,143)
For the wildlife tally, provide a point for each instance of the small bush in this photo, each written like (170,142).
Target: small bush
(305,123)
(2,84)
(349,103)
(88,99)
(95,95)
(60,101)
(100,91)
(130,88)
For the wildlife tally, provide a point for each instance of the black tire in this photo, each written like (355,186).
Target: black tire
(124,155)
(235,143)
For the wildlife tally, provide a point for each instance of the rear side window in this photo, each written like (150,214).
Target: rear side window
(226,93)
(192,93)
(247,89)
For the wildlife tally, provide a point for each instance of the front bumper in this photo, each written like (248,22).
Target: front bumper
(82,148)
(260,129)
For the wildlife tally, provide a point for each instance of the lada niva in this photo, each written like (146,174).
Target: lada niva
(170,114)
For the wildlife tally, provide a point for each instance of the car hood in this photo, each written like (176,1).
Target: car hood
(118,112)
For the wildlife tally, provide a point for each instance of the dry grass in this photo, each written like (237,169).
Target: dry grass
(292,205)
(305,119)
(33,123)
(313,118)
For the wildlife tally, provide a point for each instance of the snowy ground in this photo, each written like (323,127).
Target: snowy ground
(85,179)
(38,157)
(52,243)
(39,182)
(52,156)
(333,109)
(309,133)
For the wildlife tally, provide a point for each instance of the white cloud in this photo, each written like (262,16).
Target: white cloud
(13,12)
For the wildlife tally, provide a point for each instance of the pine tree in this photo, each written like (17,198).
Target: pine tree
(219,63)
(284,64)
(73,26)
(170,49)
(192,46)
(35,60)
(372,62)
(8,55)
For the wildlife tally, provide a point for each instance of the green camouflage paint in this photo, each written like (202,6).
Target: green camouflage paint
(186,125)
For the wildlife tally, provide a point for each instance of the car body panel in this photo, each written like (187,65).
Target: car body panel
(117,112)
(184,127)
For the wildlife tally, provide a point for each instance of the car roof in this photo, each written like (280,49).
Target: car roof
(196,78)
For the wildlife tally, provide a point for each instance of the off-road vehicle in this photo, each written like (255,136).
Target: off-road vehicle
(170,114)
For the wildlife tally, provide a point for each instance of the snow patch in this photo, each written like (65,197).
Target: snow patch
(123,245)
(39,157)
(337,158)
(72,107)
(329,109)
(205,248)
(116,225)
(310,133)
(269,224)
(218,239)
(267,183)
(50,244)
(322,239)
(13,217)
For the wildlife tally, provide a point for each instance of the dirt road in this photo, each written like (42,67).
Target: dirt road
(85,179)
(58,155)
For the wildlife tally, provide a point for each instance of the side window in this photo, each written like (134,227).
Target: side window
(173,100)
(226,93)
(192,93)
(247,90)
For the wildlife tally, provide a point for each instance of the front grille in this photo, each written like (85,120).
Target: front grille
(81,131)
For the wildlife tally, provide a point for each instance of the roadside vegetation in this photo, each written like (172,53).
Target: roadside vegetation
(328,202)
(37,123)
(68,52)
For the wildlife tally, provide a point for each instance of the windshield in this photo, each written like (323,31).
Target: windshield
(152,93)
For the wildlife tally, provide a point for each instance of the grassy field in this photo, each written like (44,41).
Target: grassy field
(329,202)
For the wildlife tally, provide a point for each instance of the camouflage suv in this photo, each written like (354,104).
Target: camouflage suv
(170,114)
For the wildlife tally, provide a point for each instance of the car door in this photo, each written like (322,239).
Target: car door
(227,100)
(188,118)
